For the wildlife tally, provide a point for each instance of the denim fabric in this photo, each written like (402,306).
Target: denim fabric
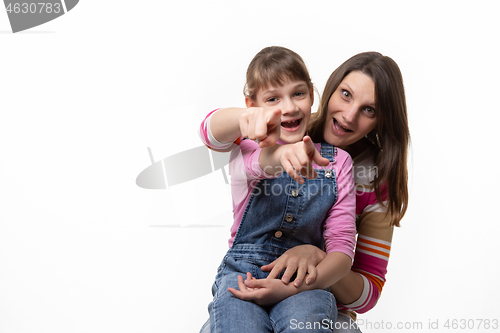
(280,214)
(344,324)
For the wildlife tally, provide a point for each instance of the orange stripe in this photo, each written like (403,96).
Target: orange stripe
(208,146)
(373,250)
(378,283)
(375,243)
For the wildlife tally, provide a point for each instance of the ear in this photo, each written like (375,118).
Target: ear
(249,102)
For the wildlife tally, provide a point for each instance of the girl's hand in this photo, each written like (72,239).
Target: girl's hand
(261,124)
(297,159)
(301,259)
(263,292)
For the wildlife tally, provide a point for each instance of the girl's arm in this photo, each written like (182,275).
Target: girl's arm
(271,291)
(296,159)
(304,259)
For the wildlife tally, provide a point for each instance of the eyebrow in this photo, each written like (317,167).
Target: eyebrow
(269,92)
(301,85)
(372,105)
(352,91)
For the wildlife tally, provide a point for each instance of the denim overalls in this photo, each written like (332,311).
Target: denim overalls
(280,214)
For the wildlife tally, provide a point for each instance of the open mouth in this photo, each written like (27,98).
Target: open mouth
(291,125)
(340,127)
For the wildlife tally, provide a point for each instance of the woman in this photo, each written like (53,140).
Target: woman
(362,110)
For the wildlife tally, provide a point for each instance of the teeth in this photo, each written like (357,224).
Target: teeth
(342,126)
(291,123)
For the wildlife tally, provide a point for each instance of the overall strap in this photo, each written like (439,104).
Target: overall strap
(328,151)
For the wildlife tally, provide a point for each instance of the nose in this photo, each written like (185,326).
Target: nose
(288,106)
(350,114)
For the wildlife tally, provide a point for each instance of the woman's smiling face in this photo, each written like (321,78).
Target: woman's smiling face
(351,110)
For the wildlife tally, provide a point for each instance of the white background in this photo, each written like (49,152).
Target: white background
(83,249)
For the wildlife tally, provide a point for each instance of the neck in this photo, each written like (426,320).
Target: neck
(357,148)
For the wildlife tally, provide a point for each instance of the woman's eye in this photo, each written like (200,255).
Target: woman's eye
(370,111)
(345,94)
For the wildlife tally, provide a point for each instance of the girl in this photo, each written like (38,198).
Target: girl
(363,109)
(276,213)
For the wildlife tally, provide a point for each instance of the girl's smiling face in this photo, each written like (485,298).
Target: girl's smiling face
(351,111)
(294,99)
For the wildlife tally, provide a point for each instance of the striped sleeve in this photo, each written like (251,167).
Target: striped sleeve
(372,249)
(209,140)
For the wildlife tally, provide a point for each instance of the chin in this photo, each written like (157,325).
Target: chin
(292,138)
(334,141)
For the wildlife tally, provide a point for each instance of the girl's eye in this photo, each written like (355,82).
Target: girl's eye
(345,94)
(271,99)
(299,94)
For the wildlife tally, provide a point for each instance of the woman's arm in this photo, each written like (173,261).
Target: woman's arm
(255,123)
(225,124)
(271,291)
(209,140)
(348,289)
(301,259)
(330,270)
(361,288)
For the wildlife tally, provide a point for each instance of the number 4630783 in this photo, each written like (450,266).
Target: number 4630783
(471,324)
(34,8)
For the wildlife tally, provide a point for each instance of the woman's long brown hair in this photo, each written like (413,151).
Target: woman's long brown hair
(391,148)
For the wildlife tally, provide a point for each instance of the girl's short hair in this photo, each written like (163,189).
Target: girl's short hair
(272,66)
(393,135)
